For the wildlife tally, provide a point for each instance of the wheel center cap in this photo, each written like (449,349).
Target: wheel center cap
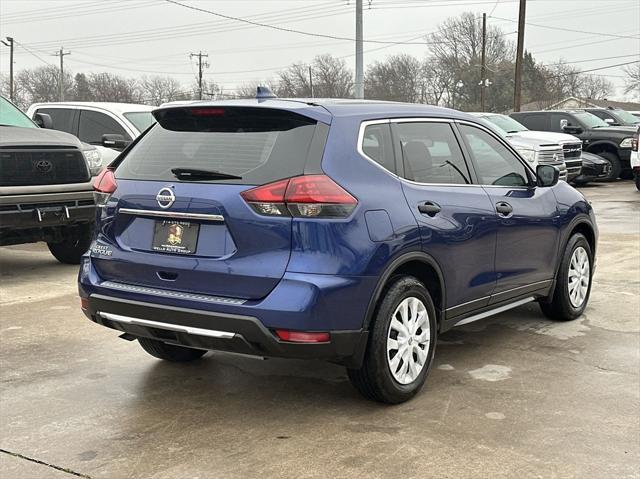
(410,341)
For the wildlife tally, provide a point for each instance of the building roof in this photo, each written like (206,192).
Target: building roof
(582,102)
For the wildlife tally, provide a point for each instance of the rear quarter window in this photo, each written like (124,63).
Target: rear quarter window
(259,145)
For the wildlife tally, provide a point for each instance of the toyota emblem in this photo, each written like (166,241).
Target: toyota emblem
(44,166)
(165,198)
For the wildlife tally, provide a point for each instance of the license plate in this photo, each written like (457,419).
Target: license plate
(175,237)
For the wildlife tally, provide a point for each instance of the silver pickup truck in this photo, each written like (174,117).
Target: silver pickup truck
(571,146)
(45,185)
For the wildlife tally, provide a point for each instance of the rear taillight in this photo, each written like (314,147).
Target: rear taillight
(311,196)
(103,186)
(634,142)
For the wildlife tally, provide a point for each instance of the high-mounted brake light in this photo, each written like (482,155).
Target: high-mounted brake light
(311,196)
(302,336)
(207,111)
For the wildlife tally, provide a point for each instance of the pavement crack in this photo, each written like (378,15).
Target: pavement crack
(52,466)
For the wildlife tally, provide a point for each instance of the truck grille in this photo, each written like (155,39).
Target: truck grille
(572,150)
(573,158)
(23,167)
(550,155)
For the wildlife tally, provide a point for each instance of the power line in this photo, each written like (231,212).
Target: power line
(283,29)
(566,29)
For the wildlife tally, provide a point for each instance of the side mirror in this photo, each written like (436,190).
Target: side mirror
(114,141)
(547,175)
(572,130)
(611,121)
(43,120)
(564,124)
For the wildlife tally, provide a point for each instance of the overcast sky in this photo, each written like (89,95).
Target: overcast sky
(137,37)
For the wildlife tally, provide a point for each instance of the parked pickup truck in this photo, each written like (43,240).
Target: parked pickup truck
(45,185)
(571,146)
(613,143)
(534,150)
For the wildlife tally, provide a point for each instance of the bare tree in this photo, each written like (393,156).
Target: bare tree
(632,80)
(398,78)
(595,87)
(294,81)
(456,48)
(33,85)
(110,87)
(155,90)
(330,77)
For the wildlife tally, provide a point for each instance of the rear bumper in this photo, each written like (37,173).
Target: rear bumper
(218,331)
(300,302)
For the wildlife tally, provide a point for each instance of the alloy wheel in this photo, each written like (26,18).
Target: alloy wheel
(579,277)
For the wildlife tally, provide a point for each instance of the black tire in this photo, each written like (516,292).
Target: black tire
(638,181)
(561,308)
(616,165)
(71,249)
(374,379)
(170,352)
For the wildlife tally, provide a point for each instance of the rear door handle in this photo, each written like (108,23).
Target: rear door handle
(504,209)
(429,208)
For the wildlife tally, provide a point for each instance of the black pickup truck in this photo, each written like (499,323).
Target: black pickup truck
(45,185)
(613,143)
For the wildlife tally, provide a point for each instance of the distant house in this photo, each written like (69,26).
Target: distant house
(573,102)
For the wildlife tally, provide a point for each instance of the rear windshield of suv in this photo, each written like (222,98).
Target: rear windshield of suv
(257,144)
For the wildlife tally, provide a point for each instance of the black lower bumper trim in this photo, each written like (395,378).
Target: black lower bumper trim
(250,336)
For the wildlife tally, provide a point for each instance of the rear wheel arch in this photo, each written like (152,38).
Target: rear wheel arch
(419,265)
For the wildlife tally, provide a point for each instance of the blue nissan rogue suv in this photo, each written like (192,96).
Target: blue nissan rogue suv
(351,231)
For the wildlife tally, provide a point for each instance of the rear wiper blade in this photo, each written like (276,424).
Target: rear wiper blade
(197,174)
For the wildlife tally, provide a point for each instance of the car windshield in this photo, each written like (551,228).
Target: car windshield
(485,120)
(506,123)
(10,115)
(589,120)
(140,119)
(626,117)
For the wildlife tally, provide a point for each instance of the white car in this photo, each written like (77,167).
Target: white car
(635,157)
(571,145)
(110,127)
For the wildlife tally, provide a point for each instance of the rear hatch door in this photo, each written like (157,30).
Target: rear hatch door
(177,221)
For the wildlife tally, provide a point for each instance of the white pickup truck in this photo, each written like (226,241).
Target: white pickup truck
(571,146)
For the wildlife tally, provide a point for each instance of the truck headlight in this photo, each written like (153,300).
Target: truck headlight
(529,155)
(626,143)
(94,160)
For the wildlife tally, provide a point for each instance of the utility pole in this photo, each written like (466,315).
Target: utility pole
(10,45)
(311,82)
(61,54)
(519,53)
(201,65)
(359,86)
(483,65)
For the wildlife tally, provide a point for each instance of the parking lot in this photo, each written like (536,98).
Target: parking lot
(512,396)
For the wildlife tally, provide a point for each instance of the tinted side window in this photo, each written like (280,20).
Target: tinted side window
(495,164)
(94,124)
(62,118)
(377,145)
(534,121)
(431,153)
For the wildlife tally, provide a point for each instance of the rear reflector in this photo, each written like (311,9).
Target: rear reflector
(309,196)
(302,336)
